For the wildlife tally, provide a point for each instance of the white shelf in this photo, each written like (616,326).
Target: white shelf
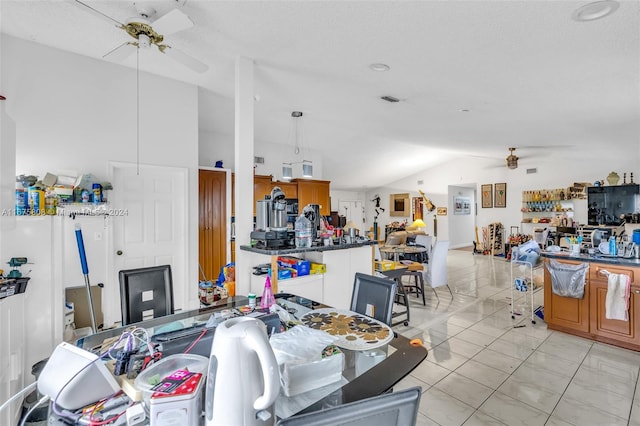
(524,271)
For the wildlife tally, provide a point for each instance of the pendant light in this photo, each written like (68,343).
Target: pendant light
(296,136)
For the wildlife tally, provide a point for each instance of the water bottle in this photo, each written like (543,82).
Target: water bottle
(613,246)
(303,230)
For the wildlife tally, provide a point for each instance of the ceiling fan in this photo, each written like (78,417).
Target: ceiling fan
(512,159)
(147,32)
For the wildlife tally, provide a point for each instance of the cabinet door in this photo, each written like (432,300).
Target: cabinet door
(622,331)
(261,186)
(212,229)
(314,192)
(566,312)
(290,189)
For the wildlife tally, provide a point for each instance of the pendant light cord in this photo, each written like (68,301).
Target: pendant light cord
(138,110)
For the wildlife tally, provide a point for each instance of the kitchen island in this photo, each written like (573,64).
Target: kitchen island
(586,317)
(333,288)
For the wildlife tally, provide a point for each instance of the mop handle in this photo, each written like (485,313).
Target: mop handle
(83,256)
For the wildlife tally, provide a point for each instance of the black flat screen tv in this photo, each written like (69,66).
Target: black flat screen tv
(610,205)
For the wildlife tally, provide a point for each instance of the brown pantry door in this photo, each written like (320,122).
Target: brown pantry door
(212,230)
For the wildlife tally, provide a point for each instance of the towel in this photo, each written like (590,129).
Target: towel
(617,301)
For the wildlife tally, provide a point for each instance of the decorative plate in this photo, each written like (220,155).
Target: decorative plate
(354,331)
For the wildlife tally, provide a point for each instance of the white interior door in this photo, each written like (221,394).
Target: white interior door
(353,211)
(152,229)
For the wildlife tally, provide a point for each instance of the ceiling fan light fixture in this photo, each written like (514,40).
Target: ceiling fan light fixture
(595,10)
(512,160)
(379,67)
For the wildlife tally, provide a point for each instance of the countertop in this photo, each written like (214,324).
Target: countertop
(596,258)
(307,249)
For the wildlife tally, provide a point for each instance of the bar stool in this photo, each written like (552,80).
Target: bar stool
(415,271)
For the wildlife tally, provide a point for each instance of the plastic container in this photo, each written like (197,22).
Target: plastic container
(149,377)
(97,193)
(304,232)
(21,202)
(636,236)
(36,200)
(613,247)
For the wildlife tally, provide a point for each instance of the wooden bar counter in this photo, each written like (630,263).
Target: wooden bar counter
(586,317)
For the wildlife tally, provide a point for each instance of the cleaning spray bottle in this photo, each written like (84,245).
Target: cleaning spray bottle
(267,294)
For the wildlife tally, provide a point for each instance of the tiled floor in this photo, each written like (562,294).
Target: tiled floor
(482,371)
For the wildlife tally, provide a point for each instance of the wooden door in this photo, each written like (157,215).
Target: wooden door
(618,330)
(212,230)
(565,312)
(314,192)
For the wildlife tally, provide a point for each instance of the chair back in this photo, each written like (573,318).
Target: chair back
(436,274)
(145,290)
(373,296)
(376,254)
(389,409)
(425,241)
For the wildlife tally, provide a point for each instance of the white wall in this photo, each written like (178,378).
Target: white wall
(75,114)
(552,172)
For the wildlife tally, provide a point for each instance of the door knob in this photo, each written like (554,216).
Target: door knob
(119,252)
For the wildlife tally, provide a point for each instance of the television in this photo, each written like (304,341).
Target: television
(610,205)
(373,296)
(145,290)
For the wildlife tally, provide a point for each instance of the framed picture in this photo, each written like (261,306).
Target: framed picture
(400,205)
(461,205)
(442,211)
(500,195)
(487,195)
(417,208)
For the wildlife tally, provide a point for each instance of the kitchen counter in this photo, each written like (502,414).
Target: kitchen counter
(333,288)
(587,317)
(291,250)
(585,257)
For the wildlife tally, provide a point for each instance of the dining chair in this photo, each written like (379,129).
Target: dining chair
(425,241)
(436,272)
(145,290)
(374,296)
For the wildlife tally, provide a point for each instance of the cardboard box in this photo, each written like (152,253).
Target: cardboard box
(302,267)
(384,265)
(318,268)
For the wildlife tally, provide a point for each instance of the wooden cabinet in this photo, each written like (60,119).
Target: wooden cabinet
(605,329)
(212,222)
(290,189)
(586,317)
(565,313)
(261,187)
(314,192)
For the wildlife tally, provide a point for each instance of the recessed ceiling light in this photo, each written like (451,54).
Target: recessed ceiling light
(465,110)
(595,10)
(379,67)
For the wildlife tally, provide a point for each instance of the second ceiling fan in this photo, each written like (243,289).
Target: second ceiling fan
(147,32)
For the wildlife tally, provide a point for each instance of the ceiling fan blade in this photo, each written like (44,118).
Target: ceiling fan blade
(121,52)
(184,59)
(96,12)
(172,22)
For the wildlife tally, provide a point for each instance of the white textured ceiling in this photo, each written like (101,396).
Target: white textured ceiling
(528,73)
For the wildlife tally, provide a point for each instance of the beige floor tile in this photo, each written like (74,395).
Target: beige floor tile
(444,409)
(512,412)
(464,389)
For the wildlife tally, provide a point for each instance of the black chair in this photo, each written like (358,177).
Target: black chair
(145,290)
(390,409)
(374,297)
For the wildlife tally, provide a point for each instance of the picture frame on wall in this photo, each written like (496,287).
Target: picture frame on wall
(400,205)
(487,195)
(441,211)
(500,195)
(461,205)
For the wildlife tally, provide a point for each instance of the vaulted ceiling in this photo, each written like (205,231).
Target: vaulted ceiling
(473,78)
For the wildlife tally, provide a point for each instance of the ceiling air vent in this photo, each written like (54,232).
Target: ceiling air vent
(390,99)
(420,182)
(532,171)
(258,160)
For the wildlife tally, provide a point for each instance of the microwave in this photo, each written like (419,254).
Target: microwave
(292,206)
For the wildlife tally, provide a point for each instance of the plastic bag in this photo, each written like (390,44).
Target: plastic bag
(568,280)
(300,344)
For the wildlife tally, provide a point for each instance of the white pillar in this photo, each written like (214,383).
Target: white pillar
(244,98)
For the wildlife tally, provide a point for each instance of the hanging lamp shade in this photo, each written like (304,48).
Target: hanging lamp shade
(307,169)
(287,171)
(418,223)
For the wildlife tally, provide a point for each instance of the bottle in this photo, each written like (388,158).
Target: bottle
(21,200)
(267,294)
(97,193)
(304,234)
(613,246)
(252,300)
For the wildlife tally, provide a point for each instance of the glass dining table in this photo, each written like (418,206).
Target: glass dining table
(396,251)
(401,354)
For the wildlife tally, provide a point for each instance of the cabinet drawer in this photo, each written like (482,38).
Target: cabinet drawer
(595,271)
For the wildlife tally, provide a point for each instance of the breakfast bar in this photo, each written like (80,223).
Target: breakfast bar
(587,316)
